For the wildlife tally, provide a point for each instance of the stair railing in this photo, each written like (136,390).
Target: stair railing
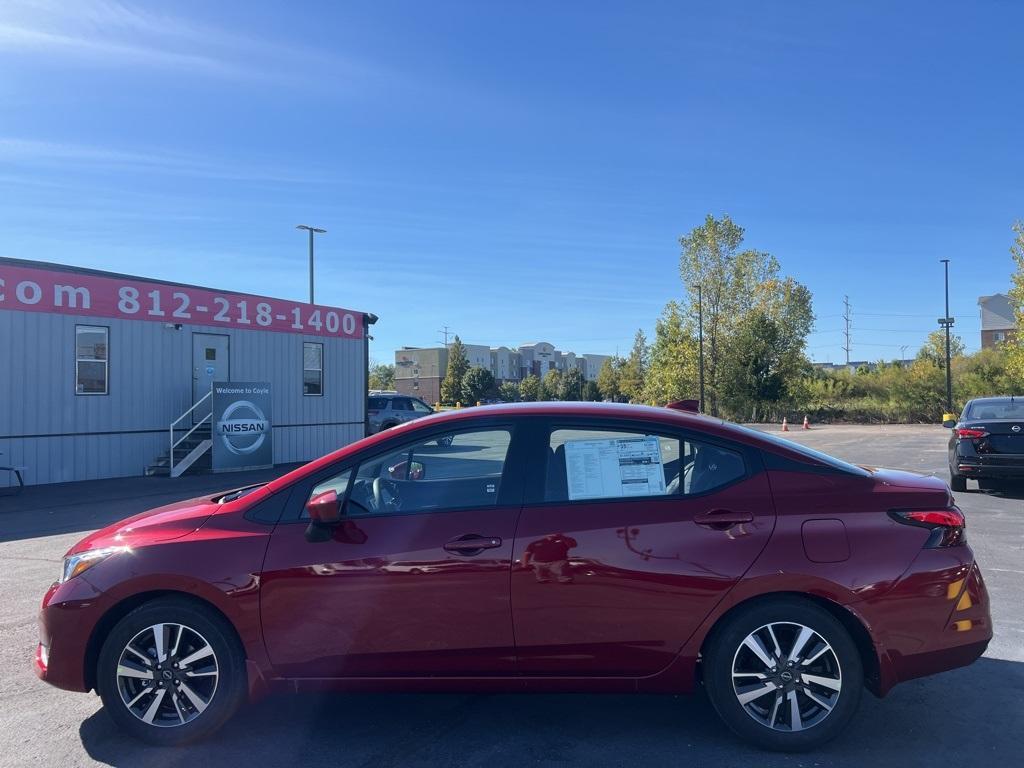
(195,426)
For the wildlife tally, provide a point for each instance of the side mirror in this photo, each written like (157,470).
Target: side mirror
(949,423)
(407,470)
(324,508)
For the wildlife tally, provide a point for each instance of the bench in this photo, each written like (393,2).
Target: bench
(17,470)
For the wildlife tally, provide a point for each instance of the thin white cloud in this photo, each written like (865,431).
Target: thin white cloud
(110,33)
(65,156)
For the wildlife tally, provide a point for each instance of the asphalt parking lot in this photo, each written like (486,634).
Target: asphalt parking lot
(968,717)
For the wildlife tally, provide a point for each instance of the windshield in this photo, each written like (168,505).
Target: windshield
(996,409)
(818,456)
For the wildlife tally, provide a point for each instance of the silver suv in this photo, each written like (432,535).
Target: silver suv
(389,409)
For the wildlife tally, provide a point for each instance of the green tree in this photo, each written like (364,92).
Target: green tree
(634,369)
(1015,362)
(934,348)
(591,392)
(608,379)
(729,277)
(672,373)
(572,385)
(477,384)
(508,392)
(458,365)
(530,389)
(551,385)
(382,376)
(752,375)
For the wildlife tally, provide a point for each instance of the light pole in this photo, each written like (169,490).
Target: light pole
(700,345)
(311,231)
(947,323)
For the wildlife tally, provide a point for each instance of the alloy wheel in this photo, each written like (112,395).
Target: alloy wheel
(167,675)
(786,676)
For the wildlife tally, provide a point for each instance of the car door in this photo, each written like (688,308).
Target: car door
(636,533)
(413,580)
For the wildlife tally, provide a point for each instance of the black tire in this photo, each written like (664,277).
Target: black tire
(226,696)
(726,646)
(957,482)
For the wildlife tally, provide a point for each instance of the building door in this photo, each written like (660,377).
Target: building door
(209,364)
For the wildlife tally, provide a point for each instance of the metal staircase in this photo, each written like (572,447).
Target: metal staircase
(188,447)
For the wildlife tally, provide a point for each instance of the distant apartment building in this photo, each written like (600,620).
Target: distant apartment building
(537,358)
(592,365)
(419,371)
(506,364)
(998,324)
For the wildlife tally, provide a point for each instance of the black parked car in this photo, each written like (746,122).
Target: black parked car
(987,443)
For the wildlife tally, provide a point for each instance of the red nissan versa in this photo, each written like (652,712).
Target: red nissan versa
(545,547)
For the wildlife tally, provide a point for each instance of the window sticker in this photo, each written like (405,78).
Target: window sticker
(614,468)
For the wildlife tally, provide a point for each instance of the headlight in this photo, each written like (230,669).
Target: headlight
(80,562)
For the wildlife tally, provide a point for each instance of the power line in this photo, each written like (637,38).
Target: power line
(446,335)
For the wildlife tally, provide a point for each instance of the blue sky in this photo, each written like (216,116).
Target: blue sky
(521,171)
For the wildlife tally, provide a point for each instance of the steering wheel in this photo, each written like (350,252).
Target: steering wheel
(385,494)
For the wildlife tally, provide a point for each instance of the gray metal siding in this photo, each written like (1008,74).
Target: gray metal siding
(62,436)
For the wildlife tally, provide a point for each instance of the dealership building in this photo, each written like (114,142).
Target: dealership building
(103,373)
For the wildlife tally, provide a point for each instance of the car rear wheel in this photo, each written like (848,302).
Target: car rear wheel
(784,674)
(171,672)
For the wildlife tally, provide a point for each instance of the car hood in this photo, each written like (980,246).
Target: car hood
(171,521)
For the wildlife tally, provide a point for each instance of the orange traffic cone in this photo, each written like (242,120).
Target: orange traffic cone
(807,424)
(785,426)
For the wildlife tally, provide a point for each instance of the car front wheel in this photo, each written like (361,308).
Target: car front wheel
(171,672)
(784,674)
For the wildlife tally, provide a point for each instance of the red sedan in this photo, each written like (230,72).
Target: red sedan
(543,547)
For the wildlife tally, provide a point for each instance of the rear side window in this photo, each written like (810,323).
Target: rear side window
(614,464)
(377,403)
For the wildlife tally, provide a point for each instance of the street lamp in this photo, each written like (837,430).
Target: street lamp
(947,323)
(700,344)
(311,231)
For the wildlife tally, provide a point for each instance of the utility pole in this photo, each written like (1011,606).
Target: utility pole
(700,345)
(311,231)
(947,323)
(846,327)
(445,333)
(903,352)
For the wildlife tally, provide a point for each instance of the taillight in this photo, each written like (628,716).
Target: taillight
(971,434)
(946,525)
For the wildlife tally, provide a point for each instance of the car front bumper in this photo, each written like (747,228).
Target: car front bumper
(67,619)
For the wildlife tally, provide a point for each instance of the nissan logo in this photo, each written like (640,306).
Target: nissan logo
(1015,428)
(243,428)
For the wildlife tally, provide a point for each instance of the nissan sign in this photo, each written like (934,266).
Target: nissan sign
(242,429)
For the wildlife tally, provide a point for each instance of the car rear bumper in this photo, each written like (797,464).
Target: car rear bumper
(936,618)
(988,470)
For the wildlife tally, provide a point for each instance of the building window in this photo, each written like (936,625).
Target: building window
(999,336)
(92,364)
(312,368)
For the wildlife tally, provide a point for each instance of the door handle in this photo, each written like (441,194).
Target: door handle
(472,544)
(722,519)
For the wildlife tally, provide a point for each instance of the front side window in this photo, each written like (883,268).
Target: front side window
(614,464)
(455,471)
(312,368)
(92,362)
(421,407)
